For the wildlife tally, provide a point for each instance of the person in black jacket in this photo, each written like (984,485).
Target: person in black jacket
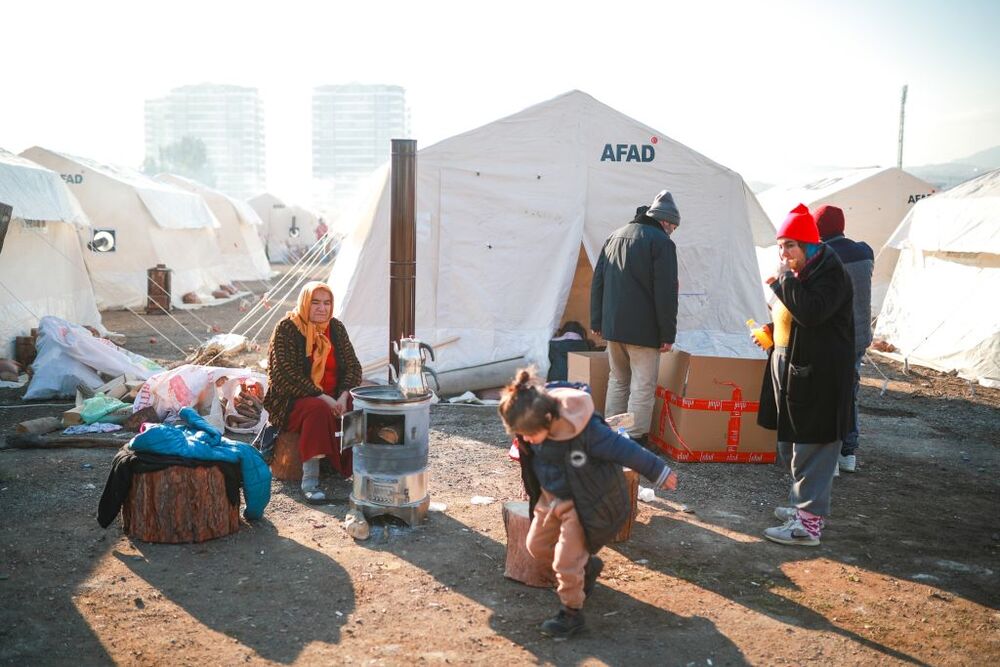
(806,396)
(859,262)
(571,466)
(633,305)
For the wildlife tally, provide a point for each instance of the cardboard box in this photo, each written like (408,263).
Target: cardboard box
(592,368)
(706,410)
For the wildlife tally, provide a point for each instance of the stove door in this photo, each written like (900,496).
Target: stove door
(352,429)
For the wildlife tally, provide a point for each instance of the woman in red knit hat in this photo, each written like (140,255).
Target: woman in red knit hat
(806,396)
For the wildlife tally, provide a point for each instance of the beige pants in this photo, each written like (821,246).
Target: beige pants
(632,384)
(556,536)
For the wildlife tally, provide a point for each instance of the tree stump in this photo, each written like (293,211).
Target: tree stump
(520,565)
(179,504)
(632,479)
(286,464)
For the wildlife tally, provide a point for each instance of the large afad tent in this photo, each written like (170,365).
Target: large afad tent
(511,218)
(42,271)
(243,256)
(874,201)
(942,308)
(139,223)
(288,232)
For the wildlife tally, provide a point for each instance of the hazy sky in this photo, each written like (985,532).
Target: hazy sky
(771,89)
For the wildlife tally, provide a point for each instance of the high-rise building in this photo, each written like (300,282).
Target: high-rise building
(229,121)
(352,126)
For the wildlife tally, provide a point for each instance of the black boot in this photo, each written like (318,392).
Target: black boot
(590,574)
(563,625)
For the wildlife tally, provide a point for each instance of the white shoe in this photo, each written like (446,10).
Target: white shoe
(836,471)
(785,513)
(314,495)
(793,533)
(848,463)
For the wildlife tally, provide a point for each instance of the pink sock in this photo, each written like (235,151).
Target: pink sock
(813,523)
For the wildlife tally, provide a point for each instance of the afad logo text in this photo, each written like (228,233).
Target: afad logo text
(630,152)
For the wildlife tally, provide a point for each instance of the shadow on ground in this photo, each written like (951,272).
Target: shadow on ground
(275,618)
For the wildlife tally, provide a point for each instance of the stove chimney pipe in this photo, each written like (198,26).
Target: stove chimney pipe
(402,243)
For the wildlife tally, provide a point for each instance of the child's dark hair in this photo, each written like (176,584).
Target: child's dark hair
(574,327)
(525,407)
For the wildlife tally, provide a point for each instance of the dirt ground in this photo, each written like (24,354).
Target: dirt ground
(907,572)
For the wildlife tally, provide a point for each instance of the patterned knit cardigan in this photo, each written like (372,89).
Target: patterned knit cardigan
(288,369)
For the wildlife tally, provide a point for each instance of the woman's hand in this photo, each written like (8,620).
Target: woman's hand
(340,405)
(670,483)
(330,403)
(769,329)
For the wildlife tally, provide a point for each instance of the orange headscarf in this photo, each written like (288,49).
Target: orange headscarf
(318,346)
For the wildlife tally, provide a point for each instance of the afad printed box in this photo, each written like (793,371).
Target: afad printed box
(706,410)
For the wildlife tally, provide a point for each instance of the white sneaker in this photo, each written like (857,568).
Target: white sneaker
(785,513)
(313,495)
(848,463)
(793,533)
(836,471)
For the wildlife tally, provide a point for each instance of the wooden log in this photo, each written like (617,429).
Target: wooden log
(17,441)
(287,464)
(40,426)
(632,479)
(521,565)
(179,504)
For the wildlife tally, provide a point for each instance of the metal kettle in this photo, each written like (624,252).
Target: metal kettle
(412,360)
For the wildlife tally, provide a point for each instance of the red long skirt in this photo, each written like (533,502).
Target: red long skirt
(318,427)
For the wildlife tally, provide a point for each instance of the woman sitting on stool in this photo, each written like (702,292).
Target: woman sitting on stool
(311,370)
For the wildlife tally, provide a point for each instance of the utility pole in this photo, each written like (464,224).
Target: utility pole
(902,113)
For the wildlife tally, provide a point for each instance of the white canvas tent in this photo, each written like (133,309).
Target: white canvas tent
(243,256)
(942,309)
(874,201)
(511,218)
(42,271)
(153,223)
(288,230)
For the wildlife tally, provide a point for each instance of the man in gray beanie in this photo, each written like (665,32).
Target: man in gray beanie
(633,306)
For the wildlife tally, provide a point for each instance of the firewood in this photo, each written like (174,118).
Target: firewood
(60,441)
(179,504)
(632,479)
(40,426)
(521,565)
(287,465)
(246,411)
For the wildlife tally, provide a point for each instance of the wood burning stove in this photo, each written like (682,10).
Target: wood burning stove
(390,433)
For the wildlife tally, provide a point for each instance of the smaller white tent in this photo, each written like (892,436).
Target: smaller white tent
(152,223)
(243,256)
(42,271)
(874,201)
(288,230)
(942,309)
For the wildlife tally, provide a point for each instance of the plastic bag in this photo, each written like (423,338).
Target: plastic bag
(188,386)
(96,408)
(69,355)
(251,390)
(203,388)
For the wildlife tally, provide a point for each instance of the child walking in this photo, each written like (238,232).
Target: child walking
(571,465)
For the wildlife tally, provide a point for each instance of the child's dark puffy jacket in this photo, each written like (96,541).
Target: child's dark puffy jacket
(592,455)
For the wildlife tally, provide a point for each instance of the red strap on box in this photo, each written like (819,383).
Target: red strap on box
(736,406)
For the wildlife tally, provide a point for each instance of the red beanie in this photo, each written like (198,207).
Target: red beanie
(799,225)
(830,221)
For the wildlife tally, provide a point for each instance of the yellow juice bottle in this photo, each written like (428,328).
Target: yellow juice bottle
(761,334)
